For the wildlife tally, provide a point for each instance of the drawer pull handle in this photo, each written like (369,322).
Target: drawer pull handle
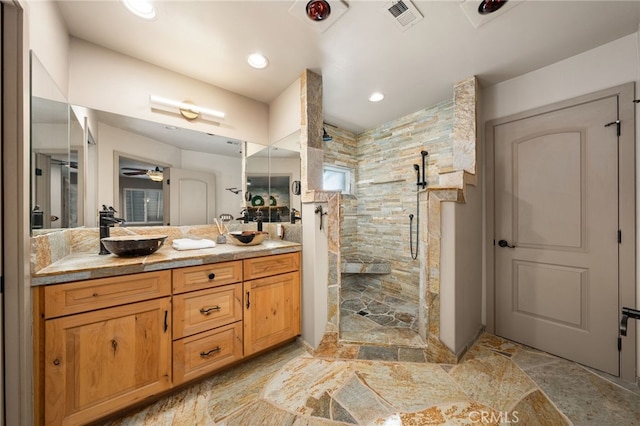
(212,276)
(211,352)
(248,300)
(207,311)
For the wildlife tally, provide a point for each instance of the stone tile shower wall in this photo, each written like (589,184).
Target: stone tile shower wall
(343,151)
(375,221)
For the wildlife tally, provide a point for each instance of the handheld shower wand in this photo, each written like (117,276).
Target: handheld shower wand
(417,168)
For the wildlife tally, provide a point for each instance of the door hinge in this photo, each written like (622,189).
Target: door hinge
(168,181)
(617,123)
(619,236)
(619,344)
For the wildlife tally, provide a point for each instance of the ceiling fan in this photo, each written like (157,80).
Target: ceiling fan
(155,175)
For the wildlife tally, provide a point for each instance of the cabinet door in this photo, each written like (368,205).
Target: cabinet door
(100,361)
(272,311)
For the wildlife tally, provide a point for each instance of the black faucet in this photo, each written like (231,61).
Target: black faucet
(244,216)
(259,220)
(107,220)
(294,217)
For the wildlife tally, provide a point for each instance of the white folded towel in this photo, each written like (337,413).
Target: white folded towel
(189,244)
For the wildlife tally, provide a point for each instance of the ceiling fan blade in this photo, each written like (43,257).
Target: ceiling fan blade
(140,173)
(134,168)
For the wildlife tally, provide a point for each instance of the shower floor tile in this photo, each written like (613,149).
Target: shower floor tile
(372,315)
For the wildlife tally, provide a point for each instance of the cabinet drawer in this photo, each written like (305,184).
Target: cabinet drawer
(84,296)
(259,267)
(206,276)
(206,309)
(206,352)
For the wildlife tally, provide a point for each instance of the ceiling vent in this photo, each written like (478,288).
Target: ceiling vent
(403,13)
(470,8)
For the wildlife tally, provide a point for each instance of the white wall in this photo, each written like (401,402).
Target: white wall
(448,275)
(607,66)
(461,271)
(49,40)
(284,113)
(228,171)
(105,80)
(468,290)
(315,272)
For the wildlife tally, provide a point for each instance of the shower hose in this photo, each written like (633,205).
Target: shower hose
(414,256)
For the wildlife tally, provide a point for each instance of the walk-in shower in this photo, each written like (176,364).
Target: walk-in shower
(379,297)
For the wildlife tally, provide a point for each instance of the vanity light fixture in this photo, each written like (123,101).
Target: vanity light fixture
(258,61)
(376,97)
(185,108)
(155,175)
(141,8)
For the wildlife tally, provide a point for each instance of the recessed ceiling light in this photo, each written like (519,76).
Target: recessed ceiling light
(258,61)
(376,97)
(141,8)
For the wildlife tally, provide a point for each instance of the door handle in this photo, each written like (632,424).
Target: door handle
(505,243)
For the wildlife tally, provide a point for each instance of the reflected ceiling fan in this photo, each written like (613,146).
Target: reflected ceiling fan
(155,175)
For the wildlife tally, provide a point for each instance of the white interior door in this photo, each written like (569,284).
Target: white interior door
(189,197)
(556,210)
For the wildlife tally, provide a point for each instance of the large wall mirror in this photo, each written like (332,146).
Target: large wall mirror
(57,155)
(127,162)
(145,186)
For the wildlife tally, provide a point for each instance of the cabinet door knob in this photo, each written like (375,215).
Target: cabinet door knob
(212,276)
(56,361)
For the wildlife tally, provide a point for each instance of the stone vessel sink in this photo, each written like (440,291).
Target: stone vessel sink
(247,238)
(134,245)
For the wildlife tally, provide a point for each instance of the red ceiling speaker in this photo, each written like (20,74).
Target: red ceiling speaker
(489,6)
(318,10)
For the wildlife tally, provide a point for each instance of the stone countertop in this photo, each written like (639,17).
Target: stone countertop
(84,266)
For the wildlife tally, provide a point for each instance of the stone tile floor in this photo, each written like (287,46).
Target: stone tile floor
(496,382)
(372,315)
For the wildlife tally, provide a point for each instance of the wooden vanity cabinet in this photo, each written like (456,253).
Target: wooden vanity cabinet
(271,301)
(105,344)
(100,359)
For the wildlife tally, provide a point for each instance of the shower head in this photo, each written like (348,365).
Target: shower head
(416,167)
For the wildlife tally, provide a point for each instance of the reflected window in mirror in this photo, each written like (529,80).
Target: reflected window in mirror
(143,207)
(141,197)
